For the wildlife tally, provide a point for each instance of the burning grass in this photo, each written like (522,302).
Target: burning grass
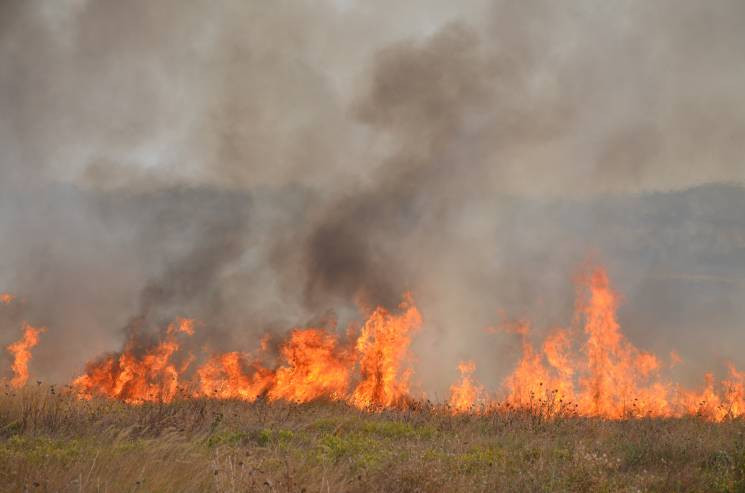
(52,441)
(584,411)
(590,366)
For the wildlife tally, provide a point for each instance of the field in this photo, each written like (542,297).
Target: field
(52,441)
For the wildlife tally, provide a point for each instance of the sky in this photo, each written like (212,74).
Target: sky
(260,165)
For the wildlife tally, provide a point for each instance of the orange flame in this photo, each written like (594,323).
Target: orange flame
(615,378)
(316,367)
(183,326)
(675,359)
(465,394)
(532,381)
(136,379)
(6,298)
(21,351)
(590,370)
(610,377)
(225,376)
(382,347)
(616,372)
(730,403)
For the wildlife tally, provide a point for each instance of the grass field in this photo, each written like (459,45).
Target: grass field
(51,441)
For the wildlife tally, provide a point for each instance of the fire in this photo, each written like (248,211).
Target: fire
(21,351)
(730,403)
(608,376)
(316,367)
(183,325)
(227,376)
(382,347)
(589,369)
(675,359)
(465,394)
(533,382)
(616,370)
(6,298)
(134,378)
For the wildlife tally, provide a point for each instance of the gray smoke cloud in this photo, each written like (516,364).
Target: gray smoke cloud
(256,165)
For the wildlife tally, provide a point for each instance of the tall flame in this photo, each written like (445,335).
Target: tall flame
(133,378)
(382,346)
(532,381)
(465,394)
(615,380)
(610,377)
(590,369)
(316,367)
(21,351)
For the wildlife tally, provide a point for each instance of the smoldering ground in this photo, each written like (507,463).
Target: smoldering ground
(256,165)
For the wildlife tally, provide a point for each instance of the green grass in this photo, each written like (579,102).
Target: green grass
(50,441)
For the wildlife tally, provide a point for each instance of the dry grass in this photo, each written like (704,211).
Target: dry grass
(50,441)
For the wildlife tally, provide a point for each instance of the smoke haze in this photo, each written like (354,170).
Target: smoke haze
(265,165)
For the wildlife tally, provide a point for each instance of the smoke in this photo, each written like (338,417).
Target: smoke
(257,164)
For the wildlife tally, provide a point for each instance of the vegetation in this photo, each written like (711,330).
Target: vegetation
(52,441)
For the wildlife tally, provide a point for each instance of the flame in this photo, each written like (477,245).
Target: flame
(314,365)
(465,394)
(316,368)
(590,369)
(183,326)
(227,376)
(608,376)
(616,370)
(534,382)
(611,378)
(21,351)
(136,379)
(6,298)
(710,404)
(734,401)
(675,359)
(382,347)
